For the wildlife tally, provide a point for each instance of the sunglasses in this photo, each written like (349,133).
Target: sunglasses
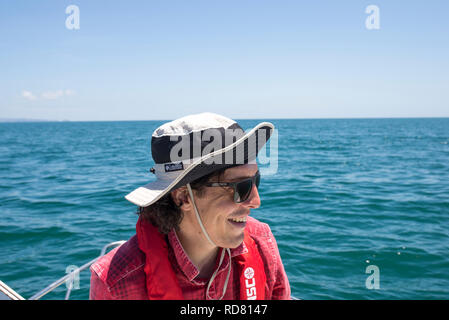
(242,189)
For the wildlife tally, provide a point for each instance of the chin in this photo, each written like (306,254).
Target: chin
(234,244)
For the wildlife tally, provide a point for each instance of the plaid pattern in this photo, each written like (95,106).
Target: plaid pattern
(119,275)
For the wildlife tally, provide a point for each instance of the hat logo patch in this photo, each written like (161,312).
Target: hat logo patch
(169,167)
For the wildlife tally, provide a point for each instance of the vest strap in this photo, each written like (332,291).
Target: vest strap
(251,270)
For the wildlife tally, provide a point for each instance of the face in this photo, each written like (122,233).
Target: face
(224,219)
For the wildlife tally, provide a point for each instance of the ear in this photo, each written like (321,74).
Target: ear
(181,198)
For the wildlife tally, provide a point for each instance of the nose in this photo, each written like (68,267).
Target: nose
(253,200)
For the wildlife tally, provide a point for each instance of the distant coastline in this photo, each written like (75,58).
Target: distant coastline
(29,120)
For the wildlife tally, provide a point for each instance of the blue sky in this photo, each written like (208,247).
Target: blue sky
(152,60)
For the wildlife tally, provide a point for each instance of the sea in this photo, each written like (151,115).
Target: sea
(359,207)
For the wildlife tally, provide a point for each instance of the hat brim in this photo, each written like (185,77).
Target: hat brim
(150,193)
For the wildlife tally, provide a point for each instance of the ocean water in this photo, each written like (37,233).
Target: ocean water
(347,195)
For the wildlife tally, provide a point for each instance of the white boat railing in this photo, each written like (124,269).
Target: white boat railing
(72,275)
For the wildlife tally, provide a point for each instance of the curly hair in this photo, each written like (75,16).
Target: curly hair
(165,214)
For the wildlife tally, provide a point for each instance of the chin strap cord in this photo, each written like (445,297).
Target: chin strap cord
(189,188)
(215,273)
(198,216)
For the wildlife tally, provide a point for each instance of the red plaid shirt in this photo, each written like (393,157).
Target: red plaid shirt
(119,275)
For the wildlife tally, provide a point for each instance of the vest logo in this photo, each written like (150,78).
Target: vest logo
(250,283)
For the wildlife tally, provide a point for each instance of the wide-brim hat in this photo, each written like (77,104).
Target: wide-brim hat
(194,146)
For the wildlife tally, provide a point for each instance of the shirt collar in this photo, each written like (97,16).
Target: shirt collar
(186,265)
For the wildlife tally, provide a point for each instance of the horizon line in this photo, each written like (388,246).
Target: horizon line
(21,120)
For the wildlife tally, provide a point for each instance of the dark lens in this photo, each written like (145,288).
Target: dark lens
(257,179)
(243,189)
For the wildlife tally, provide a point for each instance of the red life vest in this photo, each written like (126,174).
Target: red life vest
(162,283)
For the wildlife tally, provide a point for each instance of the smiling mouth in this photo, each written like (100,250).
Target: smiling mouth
(238,220)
